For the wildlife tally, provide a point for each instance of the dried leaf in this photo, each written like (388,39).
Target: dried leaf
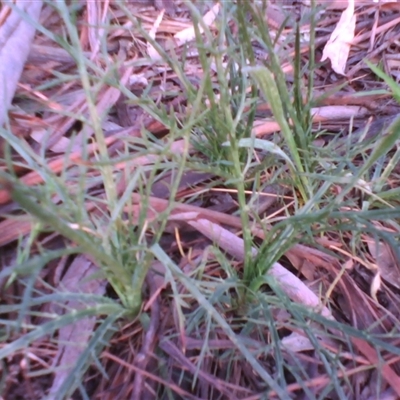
(15,33)
(151,51)
(13,228)
(74,337)
(384,259)
(373,357)
(188,34)
(338,47)
(306,267)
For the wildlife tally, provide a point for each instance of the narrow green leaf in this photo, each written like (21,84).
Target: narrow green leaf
(160,254)
(264,145)
(50,327)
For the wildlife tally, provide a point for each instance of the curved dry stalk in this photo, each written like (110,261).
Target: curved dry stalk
(289,283)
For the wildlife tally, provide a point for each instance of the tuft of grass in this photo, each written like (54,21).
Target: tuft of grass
(226,324)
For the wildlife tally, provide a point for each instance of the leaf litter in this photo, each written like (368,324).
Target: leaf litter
(192,357)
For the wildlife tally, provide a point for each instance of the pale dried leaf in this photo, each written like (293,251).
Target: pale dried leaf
(73,338)
(337,112)
(375,286)
(338,47)
(188,34)
(15,33)
(151,51)
(96,19)
(296,342)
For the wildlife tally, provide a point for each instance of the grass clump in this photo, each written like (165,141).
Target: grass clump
(195,231)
